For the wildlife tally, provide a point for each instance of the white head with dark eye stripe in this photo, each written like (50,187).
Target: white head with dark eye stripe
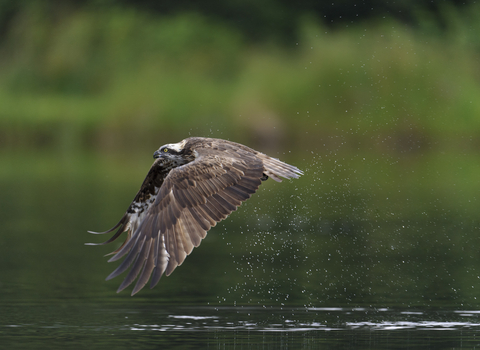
(172,154)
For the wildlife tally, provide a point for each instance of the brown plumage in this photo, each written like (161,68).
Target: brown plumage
(190,187)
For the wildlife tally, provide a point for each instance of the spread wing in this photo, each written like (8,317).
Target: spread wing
(175,208)
(192,199)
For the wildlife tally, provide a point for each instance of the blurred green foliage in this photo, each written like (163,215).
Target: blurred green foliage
(115,77)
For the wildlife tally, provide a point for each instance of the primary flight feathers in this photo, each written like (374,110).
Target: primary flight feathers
(190,187)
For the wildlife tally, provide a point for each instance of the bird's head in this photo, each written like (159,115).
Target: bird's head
(172,152)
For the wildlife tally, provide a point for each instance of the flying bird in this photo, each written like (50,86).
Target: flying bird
(192,185)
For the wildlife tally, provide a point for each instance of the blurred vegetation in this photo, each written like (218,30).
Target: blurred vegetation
(116,77)
(266,20)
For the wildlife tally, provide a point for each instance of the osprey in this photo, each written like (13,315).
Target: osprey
(190,187)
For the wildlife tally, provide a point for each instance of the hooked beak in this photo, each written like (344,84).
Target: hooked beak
(157,154)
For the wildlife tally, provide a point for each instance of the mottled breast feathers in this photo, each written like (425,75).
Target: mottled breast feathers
(186,192)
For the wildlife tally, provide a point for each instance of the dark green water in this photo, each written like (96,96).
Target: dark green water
(93,324)
(349,256)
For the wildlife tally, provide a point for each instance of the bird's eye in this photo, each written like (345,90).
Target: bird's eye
(165,150)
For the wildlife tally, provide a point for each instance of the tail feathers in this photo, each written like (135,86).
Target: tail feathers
(277,169)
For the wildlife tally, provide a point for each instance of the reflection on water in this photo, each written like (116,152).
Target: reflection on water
(311,319)
(248,327)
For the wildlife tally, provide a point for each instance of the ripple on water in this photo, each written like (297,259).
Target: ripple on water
(310,319)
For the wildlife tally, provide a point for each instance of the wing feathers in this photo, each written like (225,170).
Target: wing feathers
(191,226)
(148,267)
(114,237)
(121,223)
(205,212)
(214,212)
(171,246)
(125,263)
(186,241)
(125,248)
(199,219)
(228,206)
(236,193)
(175,208)
(250,183)
(137,265)
(160,260)
(180,253)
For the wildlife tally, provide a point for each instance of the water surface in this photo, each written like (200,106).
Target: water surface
(86,324)
(297,266)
